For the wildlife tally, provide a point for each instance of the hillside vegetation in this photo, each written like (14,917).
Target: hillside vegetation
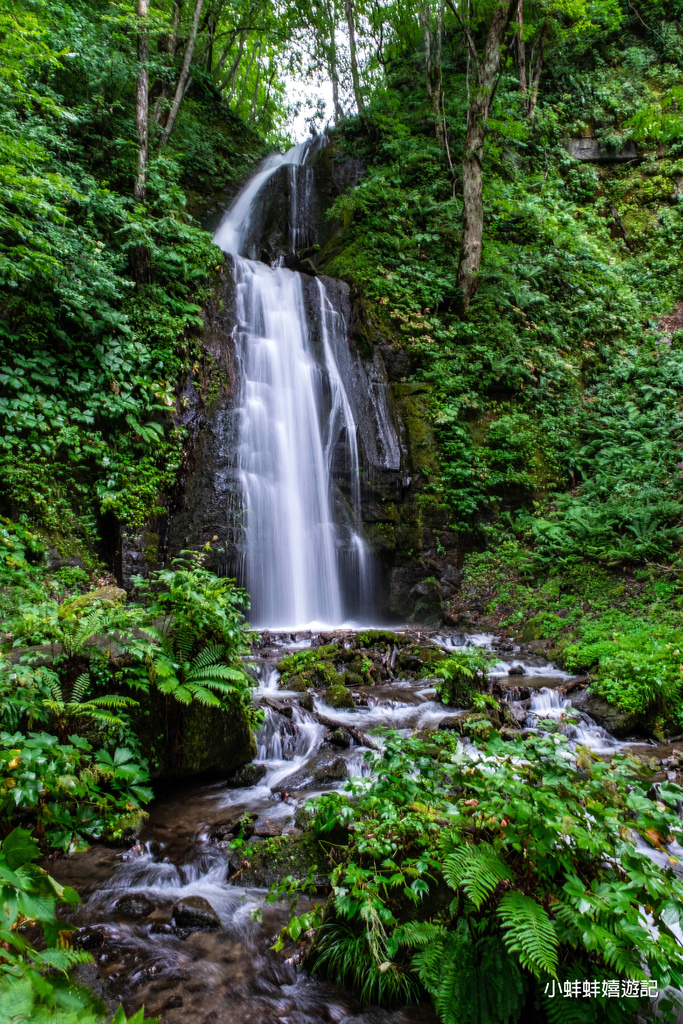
(539,297)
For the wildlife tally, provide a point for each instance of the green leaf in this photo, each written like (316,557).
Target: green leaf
(19,848)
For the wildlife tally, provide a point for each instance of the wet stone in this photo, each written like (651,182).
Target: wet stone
(340,738)
(268,829)
(194,912)
(306,702)
(134,905)
(249,775)
(88,938)
(516,670)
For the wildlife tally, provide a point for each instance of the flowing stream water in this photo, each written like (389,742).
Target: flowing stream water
(228,974)
(301,565)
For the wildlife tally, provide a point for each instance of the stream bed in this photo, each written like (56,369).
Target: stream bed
(169,921)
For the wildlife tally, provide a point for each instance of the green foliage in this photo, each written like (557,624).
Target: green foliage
(545,861)
(72,793)
(463,674)
(34,982)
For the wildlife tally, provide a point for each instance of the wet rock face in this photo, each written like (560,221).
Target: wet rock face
(619,723)
(194,912)
(248,775)
(134,905)
(417,558)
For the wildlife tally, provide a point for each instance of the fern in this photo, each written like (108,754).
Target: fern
(529,932)
(80,687)
(477,870)
(471,981)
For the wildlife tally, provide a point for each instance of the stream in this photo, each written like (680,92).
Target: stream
(210,961)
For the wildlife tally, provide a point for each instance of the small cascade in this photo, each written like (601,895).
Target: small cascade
(304,558)
(548,705)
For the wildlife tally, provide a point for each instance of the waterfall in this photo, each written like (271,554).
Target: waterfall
(304,557)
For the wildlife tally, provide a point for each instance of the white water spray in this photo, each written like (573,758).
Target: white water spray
(298,567)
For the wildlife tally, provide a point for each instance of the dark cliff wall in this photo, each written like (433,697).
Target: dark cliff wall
(407,528)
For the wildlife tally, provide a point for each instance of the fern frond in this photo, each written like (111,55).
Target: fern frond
(208,656)
(477,870)
(113,701)
(80,686)
(217,672)
(528,931)
(184,640)
(418,933)
(204,696)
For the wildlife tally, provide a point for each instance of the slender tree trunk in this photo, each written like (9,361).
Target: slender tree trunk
(184,74)
(334,71)
(351,24)
(488,66)
(220,63)
(142,102)
(433,66)
(232,73)
(521,50)
(538,68)
(245,83)
(254,101)
(170,44)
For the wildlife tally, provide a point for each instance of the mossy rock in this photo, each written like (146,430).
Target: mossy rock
(296,683)
(536,628)
(477,725)
(339,697)
(108,596)
(375,637)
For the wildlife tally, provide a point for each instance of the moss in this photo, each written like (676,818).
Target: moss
(375,637)
(339,697)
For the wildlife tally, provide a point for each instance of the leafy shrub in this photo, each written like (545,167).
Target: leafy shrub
(547,868)
(463,674)
(69,792)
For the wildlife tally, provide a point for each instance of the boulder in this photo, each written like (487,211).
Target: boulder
(306,701)
(247,775)
(325,767)
(339,697)
(105,595)
(267,829)
(340,738)
(195,913)
(134,905)
(609,716)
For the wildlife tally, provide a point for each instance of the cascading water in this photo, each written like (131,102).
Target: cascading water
(301,565)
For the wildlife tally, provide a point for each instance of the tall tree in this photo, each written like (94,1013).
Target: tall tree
(142,101)
(355,78)
(487,65)
(433,42)
(181,87)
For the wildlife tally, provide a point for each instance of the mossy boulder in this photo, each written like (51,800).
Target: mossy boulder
(182,741)
(296,683)
(104,595)
(339,696)
(477,725)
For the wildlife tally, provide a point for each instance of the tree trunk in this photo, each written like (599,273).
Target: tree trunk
(245,83)
(254,102)
(169,46)
(351,23)
(488,66)
(433,67)
(334,71)
(538,68)
(521,50)
(232,73)
(184,74)
(142,102)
